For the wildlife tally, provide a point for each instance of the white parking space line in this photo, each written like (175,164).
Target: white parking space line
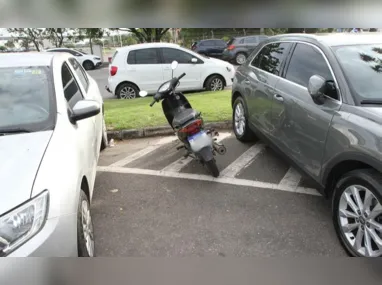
(243,161)
(224,180)
(143,152)
(179,164)
(291,178)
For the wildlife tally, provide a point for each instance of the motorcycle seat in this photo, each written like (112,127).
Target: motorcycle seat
(184,116)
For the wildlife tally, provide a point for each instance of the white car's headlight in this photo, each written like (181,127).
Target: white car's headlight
(164,87)
(19,225)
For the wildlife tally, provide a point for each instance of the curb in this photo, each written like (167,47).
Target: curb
(159,131)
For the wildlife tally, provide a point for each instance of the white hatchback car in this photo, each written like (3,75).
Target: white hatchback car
(147,66)
(88,61)
(51,133)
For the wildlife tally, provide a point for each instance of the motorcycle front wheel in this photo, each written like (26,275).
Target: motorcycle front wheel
(212,167)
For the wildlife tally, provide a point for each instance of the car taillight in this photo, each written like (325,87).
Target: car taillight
(113,70)
(192,128)
(230,47)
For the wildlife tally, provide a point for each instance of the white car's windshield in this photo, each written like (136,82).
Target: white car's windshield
(25,99)
(362,65)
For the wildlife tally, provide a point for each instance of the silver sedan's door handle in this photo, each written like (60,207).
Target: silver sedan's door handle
(278,97)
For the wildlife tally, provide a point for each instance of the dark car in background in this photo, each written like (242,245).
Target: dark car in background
(238,49)
(211,47)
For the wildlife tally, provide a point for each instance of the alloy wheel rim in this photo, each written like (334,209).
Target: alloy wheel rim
(239,119)
(240,59)
(87,227)
(127,93)
(217,84)
(360,220)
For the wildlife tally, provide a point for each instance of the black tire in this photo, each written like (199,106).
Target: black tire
(248,135)
(238,57)
(130,87)
(212,167)
(81,240)
(104,140)
(369,178)
(212,81)
(88,65)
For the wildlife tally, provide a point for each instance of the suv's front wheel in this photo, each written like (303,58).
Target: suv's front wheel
(357,212)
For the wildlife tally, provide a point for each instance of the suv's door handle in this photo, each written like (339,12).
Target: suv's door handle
(278,97)
(246,81)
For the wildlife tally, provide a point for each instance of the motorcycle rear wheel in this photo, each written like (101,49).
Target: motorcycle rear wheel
(212,167)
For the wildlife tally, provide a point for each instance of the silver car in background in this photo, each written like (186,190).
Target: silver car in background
(317,100)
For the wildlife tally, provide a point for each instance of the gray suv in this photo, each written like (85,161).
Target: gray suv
(317,100)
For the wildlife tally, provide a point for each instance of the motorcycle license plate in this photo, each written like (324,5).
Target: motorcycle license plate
(195,136)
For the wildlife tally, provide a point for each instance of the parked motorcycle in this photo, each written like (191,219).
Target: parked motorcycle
(200,143)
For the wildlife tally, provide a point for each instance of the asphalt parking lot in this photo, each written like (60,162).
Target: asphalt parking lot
(150,201)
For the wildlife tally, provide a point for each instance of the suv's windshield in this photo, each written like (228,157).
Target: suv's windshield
(26,99)
(362,65)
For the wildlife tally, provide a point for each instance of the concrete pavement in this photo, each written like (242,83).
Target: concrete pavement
(149,201)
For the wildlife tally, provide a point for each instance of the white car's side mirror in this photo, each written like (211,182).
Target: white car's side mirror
(143,93)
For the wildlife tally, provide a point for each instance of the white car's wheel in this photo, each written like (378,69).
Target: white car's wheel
(85,232)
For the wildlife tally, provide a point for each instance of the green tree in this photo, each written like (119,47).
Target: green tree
(34,35)
(146,35)
(57,35)
(91,34)
(10,44)
(3,48)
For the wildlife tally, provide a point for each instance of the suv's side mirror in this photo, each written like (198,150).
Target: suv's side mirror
(84,109)
(316,87)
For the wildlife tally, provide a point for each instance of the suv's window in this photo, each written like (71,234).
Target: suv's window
(170,54)
(80,73)
(143,56)
(307,61)
(209,43)
(220,43)
(251,40)
(71,91)
(271,57)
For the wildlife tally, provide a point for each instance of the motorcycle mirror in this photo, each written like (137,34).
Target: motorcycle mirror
(143,93)
(174,65)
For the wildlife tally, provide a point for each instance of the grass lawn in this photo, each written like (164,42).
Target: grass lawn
(136,113)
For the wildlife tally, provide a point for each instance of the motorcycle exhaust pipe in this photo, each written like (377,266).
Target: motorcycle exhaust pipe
(220,149)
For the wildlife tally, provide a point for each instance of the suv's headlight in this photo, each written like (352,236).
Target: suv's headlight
(19,225)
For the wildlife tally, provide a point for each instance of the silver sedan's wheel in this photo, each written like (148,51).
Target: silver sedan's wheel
(87,227)
(239,119)
(360,220)
(217,84)
(127,92)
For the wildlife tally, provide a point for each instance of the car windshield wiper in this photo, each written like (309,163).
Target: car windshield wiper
(372,102)
(13,131)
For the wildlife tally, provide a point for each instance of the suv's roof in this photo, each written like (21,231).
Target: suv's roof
(251,36)
(146,45)
(334,39)
(210,40)
(26,59)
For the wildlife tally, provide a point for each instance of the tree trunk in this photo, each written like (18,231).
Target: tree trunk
(91,45)
(36,44)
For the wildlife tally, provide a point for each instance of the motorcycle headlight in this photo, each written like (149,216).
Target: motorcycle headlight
(164,87)
(22,223)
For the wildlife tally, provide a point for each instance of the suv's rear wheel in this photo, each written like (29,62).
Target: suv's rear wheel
(240,58)
(127,91)
(240,121)
(357,212)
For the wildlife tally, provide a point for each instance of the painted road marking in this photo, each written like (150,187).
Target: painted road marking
(291,178)
(243,161)
(180,163)
(224,180)
(144,151)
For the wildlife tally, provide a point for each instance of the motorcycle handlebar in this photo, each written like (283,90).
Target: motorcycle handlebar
(152,103)
(182,75)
